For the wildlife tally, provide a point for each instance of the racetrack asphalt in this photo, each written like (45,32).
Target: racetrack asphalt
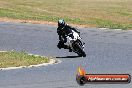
(108,51)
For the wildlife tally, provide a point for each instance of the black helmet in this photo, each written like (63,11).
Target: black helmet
(61,23)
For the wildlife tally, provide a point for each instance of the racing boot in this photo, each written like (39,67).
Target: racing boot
(60,45)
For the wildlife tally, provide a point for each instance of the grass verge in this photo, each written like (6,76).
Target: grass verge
(98,13)
(16,59)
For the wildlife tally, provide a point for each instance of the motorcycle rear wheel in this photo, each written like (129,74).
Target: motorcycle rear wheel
(80,51)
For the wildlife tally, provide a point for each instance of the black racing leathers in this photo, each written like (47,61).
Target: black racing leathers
(63,32)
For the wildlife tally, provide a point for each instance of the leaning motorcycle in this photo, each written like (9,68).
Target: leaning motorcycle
(75,43)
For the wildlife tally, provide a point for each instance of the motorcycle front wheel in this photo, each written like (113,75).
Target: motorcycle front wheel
(80,50)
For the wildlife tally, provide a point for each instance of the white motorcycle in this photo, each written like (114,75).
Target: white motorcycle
(75,43)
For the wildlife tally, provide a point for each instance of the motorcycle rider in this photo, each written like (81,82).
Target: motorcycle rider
(63,31)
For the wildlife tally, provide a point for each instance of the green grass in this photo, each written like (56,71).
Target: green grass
(100,13)
(15,59)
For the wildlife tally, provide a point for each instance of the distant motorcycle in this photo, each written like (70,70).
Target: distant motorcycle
(75,43)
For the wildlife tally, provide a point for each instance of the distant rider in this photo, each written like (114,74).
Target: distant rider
(63,31)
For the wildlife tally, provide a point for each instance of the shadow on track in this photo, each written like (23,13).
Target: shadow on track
(69,57)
